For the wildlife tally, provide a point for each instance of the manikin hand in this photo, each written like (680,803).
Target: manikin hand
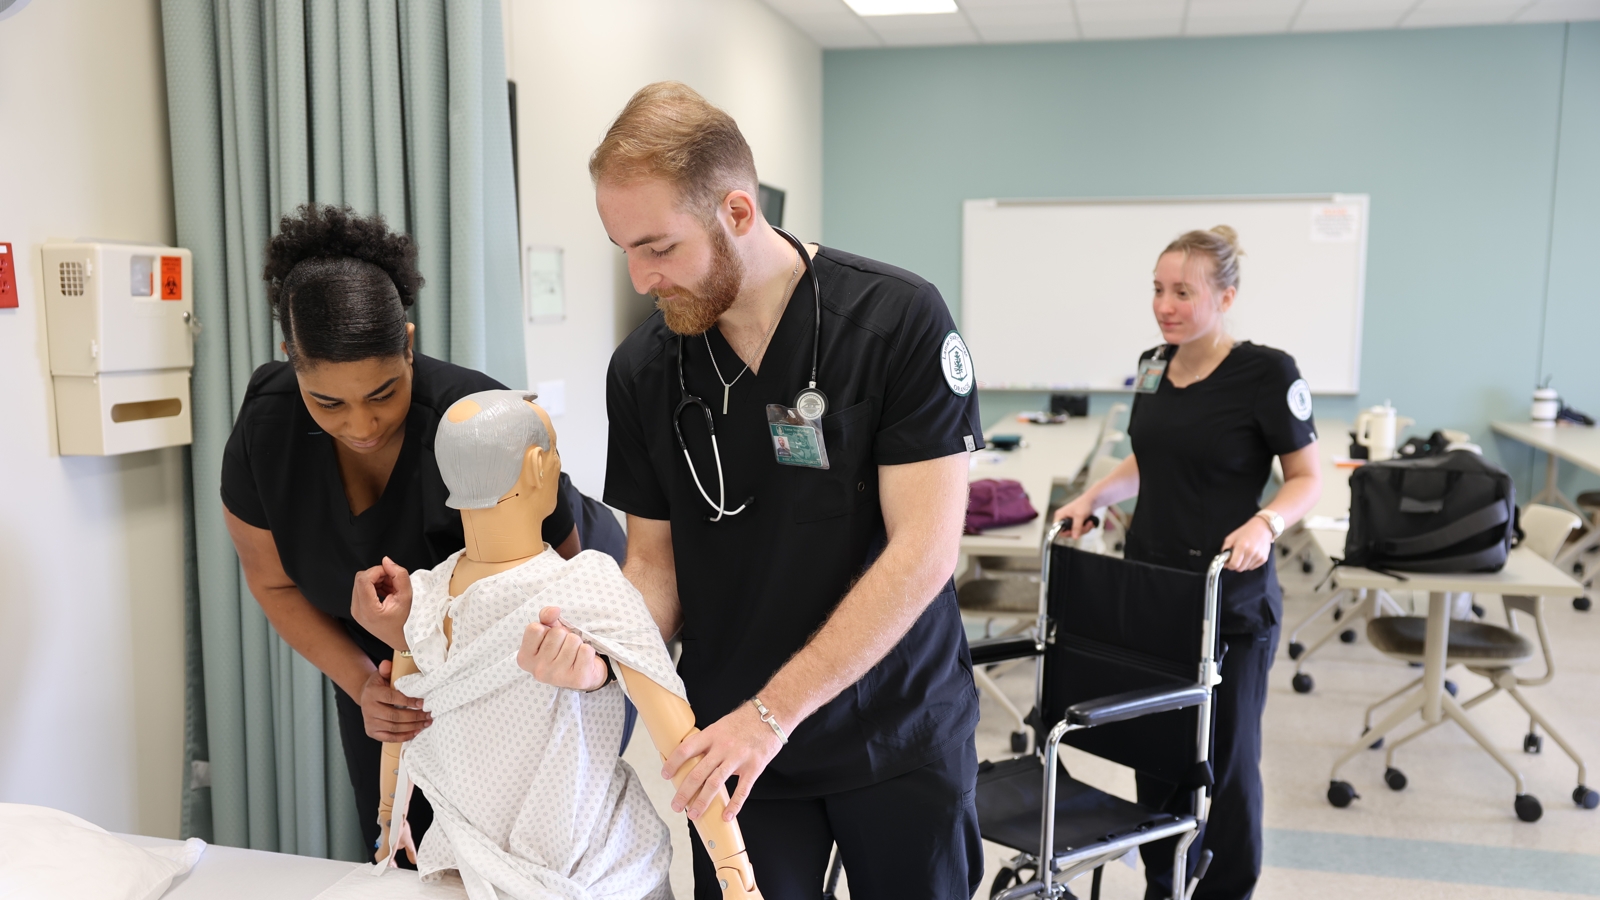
(381,601)
(389,715)
(553,654)
(1250,543)
(739,744)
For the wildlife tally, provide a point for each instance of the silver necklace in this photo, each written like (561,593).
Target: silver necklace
(727,386)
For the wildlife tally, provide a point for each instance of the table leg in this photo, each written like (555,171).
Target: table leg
(1438,642)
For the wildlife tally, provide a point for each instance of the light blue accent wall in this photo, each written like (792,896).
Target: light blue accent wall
(1453,132)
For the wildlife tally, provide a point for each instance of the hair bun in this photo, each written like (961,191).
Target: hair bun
(1227,233)
(318,231)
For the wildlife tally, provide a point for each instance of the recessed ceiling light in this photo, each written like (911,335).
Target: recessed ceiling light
(900,7)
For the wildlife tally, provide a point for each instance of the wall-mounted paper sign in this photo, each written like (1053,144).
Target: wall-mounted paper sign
(542,286)
(1335,224)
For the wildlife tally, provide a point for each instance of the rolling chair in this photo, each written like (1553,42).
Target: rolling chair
(1126,665)
(1494,653)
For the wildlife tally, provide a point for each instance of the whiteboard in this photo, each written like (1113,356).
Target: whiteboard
(1055,294)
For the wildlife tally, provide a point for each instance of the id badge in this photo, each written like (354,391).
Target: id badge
(796,440)
(1149,377)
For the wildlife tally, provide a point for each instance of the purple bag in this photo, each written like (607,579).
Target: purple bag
(996,502)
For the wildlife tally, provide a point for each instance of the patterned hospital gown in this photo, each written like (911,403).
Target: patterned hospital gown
(528,792)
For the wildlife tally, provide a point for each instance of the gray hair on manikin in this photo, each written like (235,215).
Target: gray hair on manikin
(481,457)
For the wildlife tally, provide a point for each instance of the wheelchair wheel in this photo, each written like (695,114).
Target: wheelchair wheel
(1296,649)
(1003,879)
(1301,683)
(1395,779)
(1340,793)
(1585,797)
(1019,742)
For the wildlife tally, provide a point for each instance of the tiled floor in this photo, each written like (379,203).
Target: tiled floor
(1450,833)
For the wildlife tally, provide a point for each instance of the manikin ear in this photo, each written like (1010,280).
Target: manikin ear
(533,466)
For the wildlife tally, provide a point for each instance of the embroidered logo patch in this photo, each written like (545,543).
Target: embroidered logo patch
(1300,399)
(957,364)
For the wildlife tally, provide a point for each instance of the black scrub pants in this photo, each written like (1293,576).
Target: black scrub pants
(914,836)
(1233,826)
(363,756)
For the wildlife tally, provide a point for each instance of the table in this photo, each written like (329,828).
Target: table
(1579,446)
(1525,574)
(232,873)
(1051,454)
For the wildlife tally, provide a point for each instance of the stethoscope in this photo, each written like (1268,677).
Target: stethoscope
(811,402)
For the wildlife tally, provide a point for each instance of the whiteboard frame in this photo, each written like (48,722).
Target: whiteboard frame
(1364,200)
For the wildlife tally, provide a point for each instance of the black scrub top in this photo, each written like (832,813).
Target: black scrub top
(1205,453)
(755,586)
(279,472)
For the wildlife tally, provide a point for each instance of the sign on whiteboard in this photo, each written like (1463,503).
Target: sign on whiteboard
(1335,224)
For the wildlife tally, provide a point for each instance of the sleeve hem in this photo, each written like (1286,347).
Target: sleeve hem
(928,451)
(247,519)
(635,509)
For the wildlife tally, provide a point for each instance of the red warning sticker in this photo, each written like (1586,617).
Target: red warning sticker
(172,278)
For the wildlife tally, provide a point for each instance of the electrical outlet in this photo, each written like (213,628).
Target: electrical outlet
(8,278)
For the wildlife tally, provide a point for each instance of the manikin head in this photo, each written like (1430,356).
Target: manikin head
(1196,280)
(339,284)
(675,184)
(497,454)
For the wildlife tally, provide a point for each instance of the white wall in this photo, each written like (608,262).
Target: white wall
(91,549)
(575,65)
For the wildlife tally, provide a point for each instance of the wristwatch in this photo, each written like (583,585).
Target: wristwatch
(1273,520)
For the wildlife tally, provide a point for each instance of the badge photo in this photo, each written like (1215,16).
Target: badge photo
(957,365)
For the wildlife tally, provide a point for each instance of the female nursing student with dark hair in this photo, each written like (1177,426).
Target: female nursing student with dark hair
(330,468)
(1209,414)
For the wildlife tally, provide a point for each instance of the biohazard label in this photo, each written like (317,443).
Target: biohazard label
(172,278)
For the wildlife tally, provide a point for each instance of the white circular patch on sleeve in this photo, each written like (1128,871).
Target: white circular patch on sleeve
(1300,399)
(957,364)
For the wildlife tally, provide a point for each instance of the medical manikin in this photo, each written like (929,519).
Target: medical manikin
(527,789)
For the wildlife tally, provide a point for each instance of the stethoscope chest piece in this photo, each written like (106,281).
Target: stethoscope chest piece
(811,403)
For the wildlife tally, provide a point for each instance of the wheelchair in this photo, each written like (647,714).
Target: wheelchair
(1126,666)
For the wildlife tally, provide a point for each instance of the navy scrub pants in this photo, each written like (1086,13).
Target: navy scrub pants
(914,836)
(1233,827)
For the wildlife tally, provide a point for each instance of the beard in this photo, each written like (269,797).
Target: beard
(691,312)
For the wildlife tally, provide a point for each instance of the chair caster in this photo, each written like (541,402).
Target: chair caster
(1585,797)
(1307,567)
(1477,610)
(1347,636)
(1375,745)
(1528,808)
(1019,742)
(1582,604)
(1340,793)
(1302,683)
(1338,614)
(1451,687)
(1296,649)
(1395,779)
(1532,743)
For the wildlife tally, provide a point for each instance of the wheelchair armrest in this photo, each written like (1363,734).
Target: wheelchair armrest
(1133,704)
(993,650)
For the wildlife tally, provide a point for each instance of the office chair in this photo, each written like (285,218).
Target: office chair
(1493,652)
(1126,665)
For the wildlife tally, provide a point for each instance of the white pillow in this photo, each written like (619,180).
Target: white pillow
(51,855)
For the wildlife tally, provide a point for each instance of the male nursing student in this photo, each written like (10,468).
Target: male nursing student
(822,648)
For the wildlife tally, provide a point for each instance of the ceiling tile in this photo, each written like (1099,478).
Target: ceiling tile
(1437,13)
(925,30)
(1209,17)
(1561,11)
(1017,24)
(1130,18)
(1350,15)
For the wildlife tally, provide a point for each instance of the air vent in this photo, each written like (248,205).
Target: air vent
(72,279)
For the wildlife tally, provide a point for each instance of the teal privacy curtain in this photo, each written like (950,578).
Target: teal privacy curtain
(390,106)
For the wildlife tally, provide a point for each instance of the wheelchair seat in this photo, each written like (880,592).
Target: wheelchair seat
(1010,796)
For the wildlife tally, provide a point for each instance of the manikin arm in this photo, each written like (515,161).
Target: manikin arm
(389,773)
(669,720)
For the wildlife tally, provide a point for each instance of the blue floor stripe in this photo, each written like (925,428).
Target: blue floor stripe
(1543,870)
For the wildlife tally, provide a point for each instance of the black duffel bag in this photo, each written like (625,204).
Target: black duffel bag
(1455,512)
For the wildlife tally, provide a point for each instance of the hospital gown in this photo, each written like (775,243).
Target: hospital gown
(528,792)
